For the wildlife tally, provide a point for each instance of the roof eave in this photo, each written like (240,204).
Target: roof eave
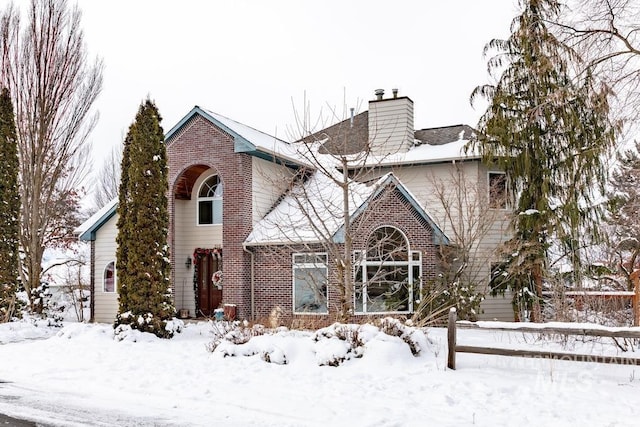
(90,233)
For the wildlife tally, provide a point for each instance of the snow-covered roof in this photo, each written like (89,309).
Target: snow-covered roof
(428,153)
(312,211)
(86,230)
(246,138)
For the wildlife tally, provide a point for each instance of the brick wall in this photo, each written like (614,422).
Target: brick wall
(199,142)
(273,264)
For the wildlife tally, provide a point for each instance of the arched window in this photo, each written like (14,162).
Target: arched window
(109,277)
(210,201)
(388,274)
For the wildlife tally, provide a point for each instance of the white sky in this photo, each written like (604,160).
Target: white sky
(253,60)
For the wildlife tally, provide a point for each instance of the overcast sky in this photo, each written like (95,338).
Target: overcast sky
(253,60)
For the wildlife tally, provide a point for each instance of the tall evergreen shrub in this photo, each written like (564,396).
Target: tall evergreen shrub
(142,257)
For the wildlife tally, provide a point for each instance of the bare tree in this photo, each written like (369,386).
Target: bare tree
(44,64)
(467,217)
(606,34)
(107,179)
(324,196)
(331,217)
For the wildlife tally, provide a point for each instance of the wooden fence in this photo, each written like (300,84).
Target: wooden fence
(453,325)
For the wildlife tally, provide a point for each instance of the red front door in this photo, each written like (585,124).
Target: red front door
(209,296)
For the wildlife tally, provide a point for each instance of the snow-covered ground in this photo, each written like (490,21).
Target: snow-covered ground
(79,375)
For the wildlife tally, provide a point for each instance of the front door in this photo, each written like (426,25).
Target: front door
(209,281)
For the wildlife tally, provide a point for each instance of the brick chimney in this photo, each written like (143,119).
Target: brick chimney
(390,123)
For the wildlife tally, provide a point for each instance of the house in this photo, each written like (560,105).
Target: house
(256,222)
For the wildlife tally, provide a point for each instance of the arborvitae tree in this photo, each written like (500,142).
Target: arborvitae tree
(142,258)
(549,130)
(9,208)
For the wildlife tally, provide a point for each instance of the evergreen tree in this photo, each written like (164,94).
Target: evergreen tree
(9,208)
(142,257)
(548,129)
(624,204)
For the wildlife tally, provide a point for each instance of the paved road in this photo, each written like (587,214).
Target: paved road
(6,421)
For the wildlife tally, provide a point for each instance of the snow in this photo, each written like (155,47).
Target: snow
(530,212)
(427,153)
(310,212)
(262,141)
(95,217)
(79,375)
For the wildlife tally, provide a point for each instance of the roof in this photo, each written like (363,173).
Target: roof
(312,211)
(87,230)
(343,137)
(444,134)
(246,139)
(432,145)
(439,238)
(312,208)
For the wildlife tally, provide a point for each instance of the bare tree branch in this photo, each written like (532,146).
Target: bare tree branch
(44,63)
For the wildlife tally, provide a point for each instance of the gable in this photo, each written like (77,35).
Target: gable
(390,185)
(87,230)
(312,211)
(245,138)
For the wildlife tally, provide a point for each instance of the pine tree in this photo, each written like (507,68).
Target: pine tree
(548,129)
(9,208)
(142,257)
(624,205)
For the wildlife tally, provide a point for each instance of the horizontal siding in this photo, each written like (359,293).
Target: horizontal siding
(497,308)
(188,237)
(391,125)
(105,303)
(422,181)
(269,182)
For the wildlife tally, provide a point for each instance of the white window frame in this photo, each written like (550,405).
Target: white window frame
(506,204)
(104,279)
(213,201)
(295,265)
(360,261)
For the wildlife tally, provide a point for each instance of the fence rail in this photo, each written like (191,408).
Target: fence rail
(453,348)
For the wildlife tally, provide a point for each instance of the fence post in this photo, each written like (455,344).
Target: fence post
(451,339)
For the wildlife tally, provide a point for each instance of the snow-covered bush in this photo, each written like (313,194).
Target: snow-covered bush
(330,346)
(234,332)
(337,343)
(147,322)
(414,337)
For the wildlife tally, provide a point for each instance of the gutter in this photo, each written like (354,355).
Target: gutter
(245,247)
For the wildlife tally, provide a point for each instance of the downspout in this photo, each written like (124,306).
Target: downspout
(251,272)
(92,282)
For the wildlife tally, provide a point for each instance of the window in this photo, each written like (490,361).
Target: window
(387,274)
(210,201)
(109,277)
(310,283)
(498,190)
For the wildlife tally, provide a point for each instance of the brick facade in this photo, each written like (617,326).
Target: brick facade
(200,143)
(273,264)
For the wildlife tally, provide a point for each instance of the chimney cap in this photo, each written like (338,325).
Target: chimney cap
(395,92)
(379,93)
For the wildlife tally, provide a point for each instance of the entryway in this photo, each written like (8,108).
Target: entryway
(208,281)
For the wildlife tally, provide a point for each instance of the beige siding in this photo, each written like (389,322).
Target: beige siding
(105,303)
(188,237)
(269,181)
(423,182)
(391,125)
(497,308)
